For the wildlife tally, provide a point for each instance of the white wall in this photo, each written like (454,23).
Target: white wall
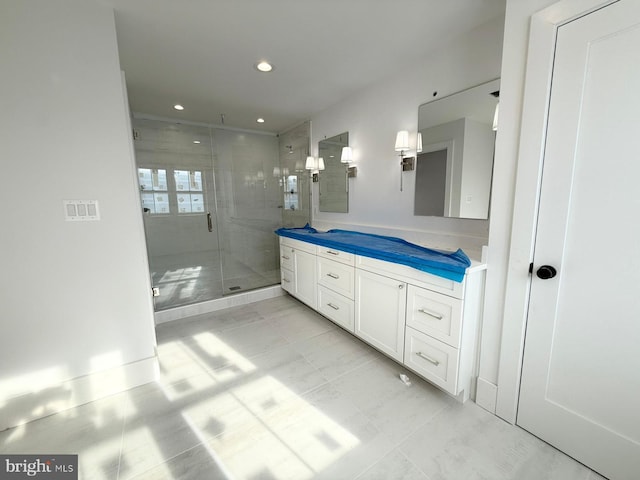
(514,57)
(77,318)
(372,118)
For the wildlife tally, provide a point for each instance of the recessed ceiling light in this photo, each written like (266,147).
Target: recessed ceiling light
(260,120)
(264,66)
(178,107)
(196,141)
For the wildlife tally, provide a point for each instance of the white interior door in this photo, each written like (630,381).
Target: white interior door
(580,387)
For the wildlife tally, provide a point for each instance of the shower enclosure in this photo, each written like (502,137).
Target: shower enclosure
(211,200)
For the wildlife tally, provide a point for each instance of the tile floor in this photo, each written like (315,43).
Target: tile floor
(272,390)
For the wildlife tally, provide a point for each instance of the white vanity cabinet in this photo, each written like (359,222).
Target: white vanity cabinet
(426,322)
(298,270)
(286,267)
(380,312)
(433,337)
(336,286)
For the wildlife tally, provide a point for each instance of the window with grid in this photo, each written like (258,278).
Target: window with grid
(189,195)
(153,190)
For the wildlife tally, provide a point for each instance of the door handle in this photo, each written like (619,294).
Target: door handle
(209,222)
(545,272)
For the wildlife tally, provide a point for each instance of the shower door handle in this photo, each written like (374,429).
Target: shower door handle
(209,222)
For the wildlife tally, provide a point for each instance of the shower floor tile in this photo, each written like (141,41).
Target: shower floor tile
(197,277)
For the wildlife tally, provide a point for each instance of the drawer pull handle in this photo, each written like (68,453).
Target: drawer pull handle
(285,257)
(286,280)
(333,275)
(333,253)
(335,307)
(427,312)
(428,358)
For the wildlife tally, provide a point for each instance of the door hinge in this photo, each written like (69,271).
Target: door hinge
(136,134)
(530,268)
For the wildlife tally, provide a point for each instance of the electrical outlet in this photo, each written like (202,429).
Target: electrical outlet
(156,291)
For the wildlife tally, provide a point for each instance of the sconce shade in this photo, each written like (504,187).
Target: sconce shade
(314,164)
(402,140)
(276,171)
(347,155)
(310,165)
(419,143)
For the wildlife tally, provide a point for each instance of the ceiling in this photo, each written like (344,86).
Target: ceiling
(202,53)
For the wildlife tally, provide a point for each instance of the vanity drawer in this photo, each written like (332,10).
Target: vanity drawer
(298,245)
(336,307)
(286,257)
(434,360)
(435,314)
(411,275)
(287,280)
(336,276)
(337,255)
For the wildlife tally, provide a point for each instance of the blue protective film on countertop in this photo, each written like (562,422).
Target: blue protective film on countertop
(391,249)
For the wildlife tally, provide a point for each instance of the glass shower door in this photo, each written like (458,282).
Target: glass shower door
(249,199)
(177,188)
(211,204)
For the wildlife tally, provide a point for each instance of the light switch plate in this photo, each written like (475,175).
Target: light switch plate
(81,210)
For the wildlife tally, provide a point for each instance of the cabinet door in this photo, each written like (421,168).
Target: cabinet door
(380,309)
(304,276)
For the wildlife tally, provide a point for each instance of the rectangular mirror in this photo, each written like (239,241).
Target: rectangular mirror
(454,168)
(334,186)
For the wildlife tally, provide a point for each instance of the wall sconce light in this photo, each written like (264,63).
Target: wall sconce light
(402,146)
(314,165)
(347,157)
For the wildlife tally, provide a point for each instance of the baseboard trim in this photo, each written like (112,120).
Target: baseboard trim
(30,406)
(486,395)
